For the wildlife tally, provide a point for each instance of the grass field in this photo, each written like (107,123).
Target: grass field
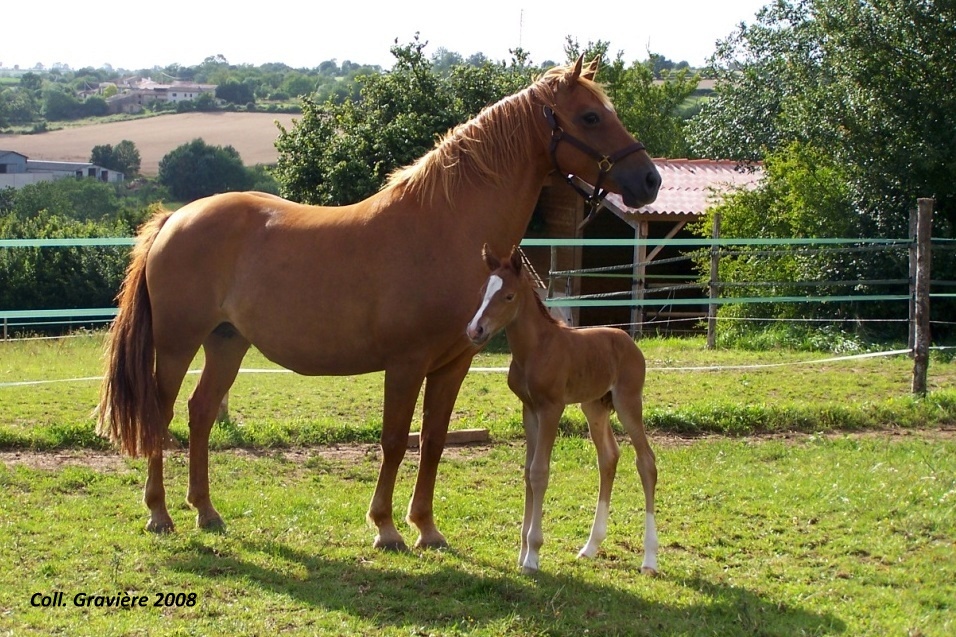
(843,522)
(764,392)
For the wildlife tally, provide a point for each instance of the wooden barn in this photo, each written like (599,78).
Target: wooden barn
(689,187)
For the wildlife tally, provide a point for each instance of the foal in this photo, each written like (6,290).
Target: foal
(552,366)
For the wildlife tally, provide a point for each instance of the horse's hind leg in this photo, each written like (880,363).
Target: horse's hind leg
(599,424)
(224,350)
(170,370)
(630,410)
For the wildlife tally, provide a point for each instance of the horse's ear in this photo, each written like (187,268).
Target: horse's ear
(491,260)
(592,69)
(576,70)
(515,260)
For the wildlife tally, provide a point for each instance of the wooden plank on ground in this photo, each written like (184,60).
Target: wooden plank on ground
(454,437)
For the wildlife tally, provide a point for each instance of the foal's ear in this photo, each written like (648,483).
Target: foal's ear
(591,70)
(515,259)
(491,260)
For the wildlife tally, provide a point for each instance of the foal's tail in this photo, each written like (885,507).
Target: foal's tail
(128,412)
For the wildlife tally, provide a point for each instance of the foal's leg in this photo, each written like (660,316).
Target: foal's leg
(537,474)
(530,421)
(224,352)
(608,452)
(402,386)
(630,410)
(441,390)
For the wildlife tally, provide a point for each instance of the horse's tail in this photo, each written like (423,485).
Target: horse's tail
(128,412)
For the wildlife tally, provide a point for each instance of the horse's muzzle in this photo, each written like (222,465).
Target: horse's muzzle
(643,189)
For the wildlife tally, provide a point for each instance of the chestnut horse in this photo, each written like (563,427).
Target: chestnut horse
(553,365)
(381,285)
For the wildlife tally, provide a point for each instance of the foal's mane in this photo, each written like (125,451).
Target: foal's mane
(484,148)
(524,280)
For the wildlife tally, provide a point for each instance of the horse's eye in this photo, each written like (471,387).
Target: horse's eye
(510,298)
(591,118)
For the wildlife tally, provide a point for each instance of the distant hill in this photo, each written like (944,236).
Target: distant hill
(252,134)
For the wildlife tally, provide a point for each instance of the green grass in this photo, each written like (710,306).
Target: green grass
(800,533)
(813,535)
(275,410)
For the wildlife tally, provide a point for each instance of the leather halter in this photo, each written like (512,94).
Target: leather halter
(592,200)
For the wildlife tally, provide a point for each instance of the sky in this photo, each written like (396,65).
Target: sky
(139,35)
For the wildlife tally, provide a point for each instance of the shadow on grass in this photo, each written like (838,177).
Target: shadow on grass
(450,599)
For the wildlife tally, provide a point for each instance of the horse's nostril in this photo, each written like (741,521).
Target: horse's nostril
(653,180)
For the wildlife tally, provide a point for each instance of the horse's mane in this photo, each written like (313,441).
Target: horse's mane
(482,149)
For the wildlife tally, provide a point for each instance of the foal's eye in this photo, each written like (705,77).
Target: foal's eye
(509,298)
(591,118)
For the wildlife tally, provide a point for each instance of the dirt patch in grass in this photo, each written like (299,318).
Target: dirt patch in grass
(112,461)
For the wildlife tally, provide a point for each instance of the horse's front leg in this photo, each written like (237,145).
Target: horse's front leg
(599,424)
(441,391)
(537,475)
(402,386)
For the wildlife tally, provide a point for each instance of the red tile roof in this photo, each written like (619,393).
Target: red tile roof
(690,186)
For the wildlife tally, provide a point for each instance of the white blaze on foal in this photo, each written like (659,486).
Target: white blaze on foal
(552,366)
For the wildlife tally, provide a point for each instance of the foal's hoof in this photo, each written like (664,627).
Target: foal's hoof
(529,571)
(650,572)
(587,553)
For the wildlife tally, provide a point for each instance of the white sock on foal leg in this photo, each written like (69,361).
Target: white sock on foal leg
(598,530)
(650,545)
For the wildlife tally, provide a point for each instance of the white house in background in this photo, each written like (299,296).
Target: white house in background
(18,170)
(136,93)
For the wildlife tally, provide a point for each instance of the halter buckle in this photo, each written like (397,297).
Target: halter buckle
(605,164)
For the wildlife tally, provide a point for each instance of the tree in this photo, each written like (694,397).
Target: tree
(235,92)
(45,278)
(862,80)
(75,199)
(197,169)
(649,110)
(858,85)
(298,84)
(342,153)
(17,106)
(123,158)
(60,105)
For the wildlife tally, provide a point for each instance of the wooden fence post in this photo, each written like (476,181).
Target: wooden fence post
(712,288)
(920,324)
(914,215)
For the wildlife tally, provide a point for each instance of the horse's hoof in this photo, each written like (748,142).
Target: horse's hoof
(587,554)
(160,526)
(214,524)
(437,543)
(529,571)
(650,572)
(394,546)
